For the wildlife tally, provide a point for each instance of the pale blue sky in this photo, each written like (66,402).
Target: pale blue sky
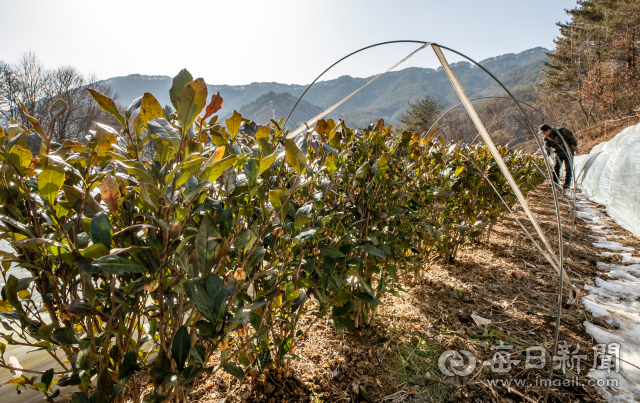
(242,41)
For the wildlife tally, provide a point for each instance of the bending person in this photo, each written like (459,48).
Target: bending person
(553,140)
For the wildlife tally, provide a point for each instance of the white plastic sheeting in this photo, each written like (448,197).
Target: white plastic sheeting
(608,175)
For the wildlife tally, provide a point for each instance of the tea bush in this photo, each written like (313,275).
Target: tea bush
(212,248)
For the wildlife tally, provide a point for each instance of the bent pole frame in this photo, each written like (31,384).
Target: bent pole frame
(493,149)
(483,131)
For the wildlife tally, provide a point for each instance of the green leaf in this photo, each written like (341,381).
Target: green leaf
(78,397)
(101,231)
(372,250)
(234,369)
(47,378)
(233,124)
(329,251)
(367,298)
(117,265)
(50,181)
(179,82)
(266,162)
(107,105)
(295,157)
(263,359)
(213,171)
(191,102)
(206,243)
(204,302)
(163,129)
(65,336)
(220,302)
(11,291)
(191,372)
(301,221)
(17,224)
(181,346)
(95,251)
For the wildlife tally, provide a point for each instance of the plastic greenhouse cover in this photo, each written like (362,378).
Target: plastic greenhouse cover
(608,175)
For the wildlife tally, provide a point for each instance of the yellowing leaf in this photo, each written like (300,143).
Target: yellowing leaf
(191,101)
(106,104)
(217,156)
(50,181)
(149,109)
(5,306)
(459,170)
(216,169)
(21,158)
(233,124)
(24,294)
(295,157)
(266,162)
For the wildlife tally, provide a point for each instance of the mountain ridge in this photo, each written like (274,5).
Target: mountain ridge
(387,97)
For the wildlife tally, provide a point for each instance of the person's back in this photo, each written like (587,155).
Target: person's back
(554,140)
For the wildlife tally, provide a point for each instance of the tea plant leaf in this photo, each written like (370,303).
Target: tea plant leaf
(214,106)
(233,124)
(181,346)
(150,109)
(266,162)
(110,192)
(101,231)
(213,171)
(330,251)
(204,302)
(215,157)
(47,378)
(163,129)
(11,291)
(129,365)
(57,108)
(372,250)
(206,242)
(50,181)
(233,369)
(295,157)
(178,84)
(21,158)
(65,336)
(107,105)
(190,103)
(367,298)
(114,264)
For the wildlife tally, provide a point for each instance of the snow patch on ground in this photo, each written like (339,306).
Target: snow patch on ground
(617,302)
(604,243)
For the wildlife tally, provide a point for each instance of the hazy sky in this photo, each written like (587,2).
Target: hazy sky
(242,41)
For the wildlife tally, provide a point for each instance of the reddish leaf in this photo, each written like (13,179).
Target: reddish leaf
(214,106)
(110,192)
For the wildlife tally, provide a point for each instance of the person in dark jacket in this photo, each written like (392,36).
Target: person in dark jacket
(553,140)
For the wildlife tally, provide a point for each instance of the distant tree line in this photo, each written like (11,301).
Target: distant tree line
(594,73)
(29,82)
